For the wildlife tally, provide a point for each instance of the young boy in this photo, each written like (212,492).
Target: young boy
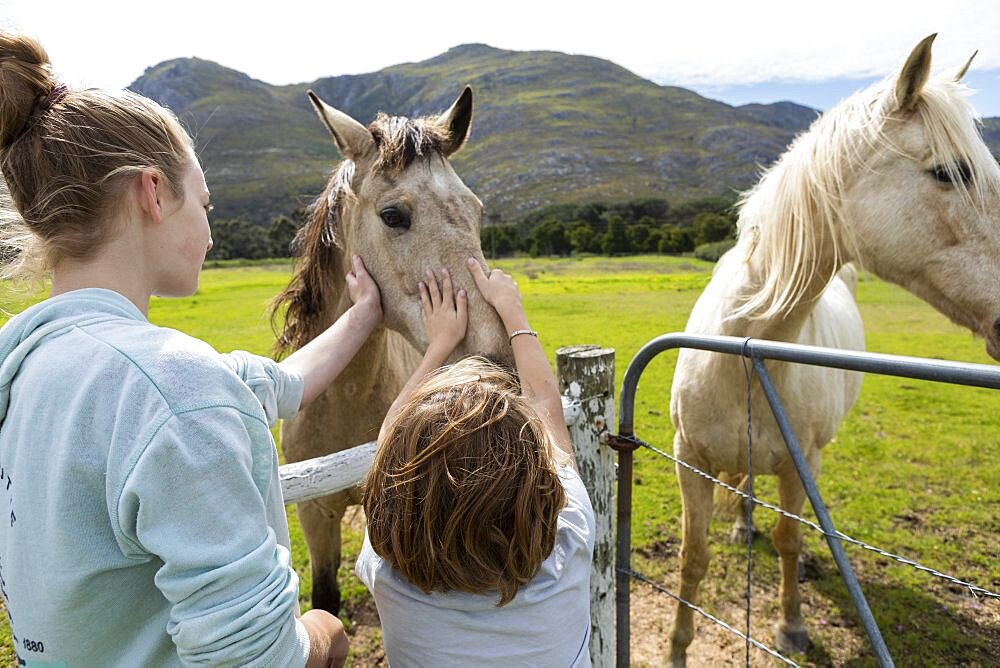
(480,531)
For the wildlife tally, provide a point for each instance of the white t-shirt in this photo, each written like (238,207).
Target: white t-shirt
(546,624)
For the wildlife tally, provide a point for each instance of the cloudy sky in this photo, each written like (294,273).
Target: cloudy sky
(737,51)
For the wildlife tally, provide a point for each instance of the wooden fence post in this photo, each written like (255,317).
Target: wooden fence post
(587,382)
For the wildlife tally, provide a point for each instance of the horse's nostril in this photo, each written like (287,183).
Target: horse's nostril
(996,329)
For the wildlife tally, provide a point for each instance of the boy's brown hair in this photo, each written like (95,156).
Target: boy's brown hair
(463,494)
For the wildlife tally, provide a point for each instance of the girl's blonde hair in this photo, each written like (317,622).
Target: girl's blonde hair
(67,156)
(463,494)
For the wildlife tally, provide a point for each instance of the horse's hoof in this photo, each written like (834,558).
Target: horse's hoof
(678,661)
(808,568)
(740,534)
(792,641)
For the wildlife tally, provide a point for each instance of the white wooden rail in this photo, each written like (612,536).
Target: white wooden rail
(317,477)
(586,380)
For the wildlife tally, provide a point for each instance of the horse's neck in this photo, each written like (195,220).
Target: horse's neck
(351,409)
(366,388)
(788,325)
(376,358)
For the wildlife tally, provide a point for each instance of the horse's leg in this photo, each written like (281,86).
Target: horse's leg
(729,504)
(696,500)
(791,634)
(321,520)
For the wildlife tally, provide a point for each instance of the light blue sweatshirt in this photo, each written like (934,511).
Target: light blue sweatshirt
(141,518)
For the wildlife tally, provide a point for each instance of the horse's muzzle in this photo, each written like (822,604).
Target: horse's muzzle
(993,341)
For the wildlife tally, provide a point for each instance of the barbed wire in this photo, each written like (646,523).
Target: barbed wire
(974,590)
(750,641)
(578,401)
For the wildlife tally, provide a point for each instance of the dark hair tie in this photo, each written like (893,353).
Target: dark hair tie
(42,104)
(57,93)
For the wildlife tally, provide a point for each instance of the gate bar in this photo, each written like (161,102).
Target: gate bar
(959,373)
(836,547)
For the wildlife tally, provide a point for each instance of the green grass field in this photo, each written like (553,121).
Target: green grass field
(915,468)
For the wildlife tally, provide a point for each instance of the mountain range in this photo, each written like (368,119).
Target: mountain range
(548,128)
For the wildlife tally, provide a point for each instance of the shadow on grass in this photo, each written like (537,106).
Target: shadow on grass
(921,626)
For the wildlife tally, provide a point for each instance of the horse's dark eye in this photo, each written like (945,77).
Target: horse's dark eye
(961,171)
(395,218)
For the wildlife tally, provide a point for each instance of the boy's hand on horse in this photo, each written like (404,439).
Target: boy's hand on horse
(445,314)
(500,291)
(533,370)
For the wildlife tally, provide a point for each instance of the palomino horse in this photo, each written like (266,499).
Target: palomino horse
(896,178)
(395,201)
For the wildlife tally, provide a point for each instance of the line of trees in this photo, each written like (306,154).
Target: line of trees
(623,228)
(705,226)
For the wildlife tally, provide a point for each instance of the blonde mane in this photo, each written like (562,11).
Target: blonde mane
(799,202)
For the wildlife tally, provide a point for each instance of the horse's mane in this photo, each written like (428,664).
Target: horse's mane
(800,199)
(317,280)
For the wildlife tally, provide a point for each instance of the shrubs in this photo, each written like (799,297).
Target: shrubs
(711,252)
(238,239)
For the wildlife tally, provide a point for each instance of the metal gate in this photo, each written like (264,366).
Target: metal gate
(978,375)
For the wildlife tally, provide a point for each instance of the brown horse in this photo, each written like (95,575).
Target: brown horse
(395,201)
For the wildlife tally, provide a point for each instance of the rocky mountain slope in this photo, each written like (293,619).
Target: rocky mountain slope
(548,128)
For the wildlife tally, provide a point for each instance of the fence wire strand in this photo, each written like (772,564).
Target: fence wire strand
(749,641)
(974,590)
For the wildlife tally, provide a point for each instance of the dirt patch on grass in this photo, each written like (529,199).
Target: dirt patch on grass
(652,615)
(933,623)
(940,626)
(365,633)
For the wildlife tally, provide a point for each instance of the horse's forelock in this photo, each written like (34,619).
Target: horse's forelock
(402,140)
(950,125)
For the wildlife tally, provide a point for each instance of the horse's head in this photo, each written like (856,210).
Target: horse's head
(916,192)
(395,201)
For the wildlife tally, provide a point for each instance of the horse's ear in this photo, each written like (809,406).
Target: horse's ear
(353,139)
(914,74)
(457,121)
(965,68)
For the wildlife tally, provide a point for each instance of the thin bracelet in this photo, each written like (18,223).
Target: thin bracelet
(517,332)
